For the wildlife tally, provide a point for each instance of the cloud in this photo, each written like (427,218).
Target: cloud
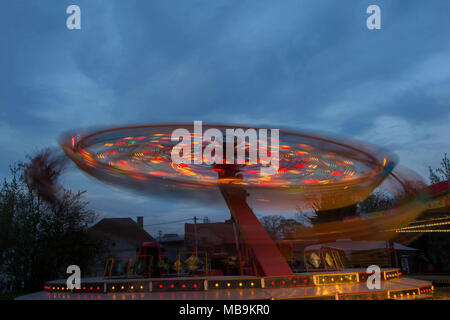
(418,145)
(296,64)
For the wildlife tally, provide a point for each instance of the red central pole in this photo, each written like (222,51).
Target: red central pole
(269,260)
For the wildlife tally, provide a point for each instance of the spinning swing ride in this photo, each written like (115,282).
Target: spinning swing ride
(314,172)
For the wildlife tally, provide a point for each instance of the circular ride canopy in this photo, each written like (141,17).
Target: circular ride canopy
(314,171)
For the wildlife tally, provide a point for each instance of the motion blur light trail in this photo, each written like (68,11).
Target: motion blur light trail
(315,172)
(312,169)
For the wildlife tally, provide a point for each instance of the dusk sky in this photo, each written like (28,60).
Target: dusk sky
(283,64)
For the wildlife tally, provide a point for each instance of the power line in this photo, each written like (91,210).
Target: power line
(176,221)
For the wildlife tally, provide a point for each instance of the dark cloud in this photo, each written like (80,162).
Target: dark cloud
(302,64)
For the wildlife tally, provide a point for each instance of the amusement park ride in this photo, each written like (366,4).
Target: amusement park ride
(314,172)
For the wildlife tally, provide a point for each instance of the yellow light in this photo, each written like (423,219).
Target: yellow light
(217,284)
(113,288)
(240,284)
(228,284)
(122,287)
(132,287)
(142,287)
(252,284)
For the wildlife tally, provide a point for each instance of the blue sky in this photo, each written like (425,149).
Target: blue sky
(298,64)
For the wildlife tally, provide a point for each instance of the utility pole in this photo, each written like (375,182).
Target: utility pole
(195,235)
(238,250)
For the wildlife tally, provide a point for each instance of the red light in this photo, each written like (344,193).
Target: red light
(310,181)
(160,285)
(183,286)
(284,282)
(273,283)
(305,281)
(91,288)
(294,281)
(171,285)
(195,286)
(370,298)
(379,298)
(84,288)
(98,288)
(358,299)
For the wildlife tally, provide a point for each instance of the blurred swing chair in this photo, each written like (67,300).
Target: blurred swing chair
(147,264)
(324,259)
(191,263)
(127,268)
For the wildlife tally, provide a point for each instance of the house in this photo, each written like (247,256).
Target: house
(124,237)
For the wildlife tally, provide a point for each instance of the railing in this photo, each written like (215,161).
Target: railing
(126,268)
(187,264)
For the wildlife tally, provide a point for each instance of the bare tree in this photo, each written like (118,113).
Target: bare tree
(442,173)
(279,227)
(42,231)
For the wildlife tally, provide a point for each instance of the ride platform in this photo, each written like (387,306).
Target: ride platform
(349,284)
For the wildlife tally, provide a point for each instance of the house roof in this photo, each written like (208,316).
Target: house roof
(439,188)
(170,237)
(123,228)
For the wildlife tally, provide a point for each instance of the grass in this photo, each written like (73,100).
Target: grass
(10,296)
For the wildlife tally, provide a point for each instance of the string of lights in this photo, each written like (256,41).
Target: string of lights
(430,219)
(426,230)
(425,225)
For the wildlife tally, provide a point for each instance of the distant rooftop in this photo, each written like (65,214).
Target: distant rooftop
(170,237)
